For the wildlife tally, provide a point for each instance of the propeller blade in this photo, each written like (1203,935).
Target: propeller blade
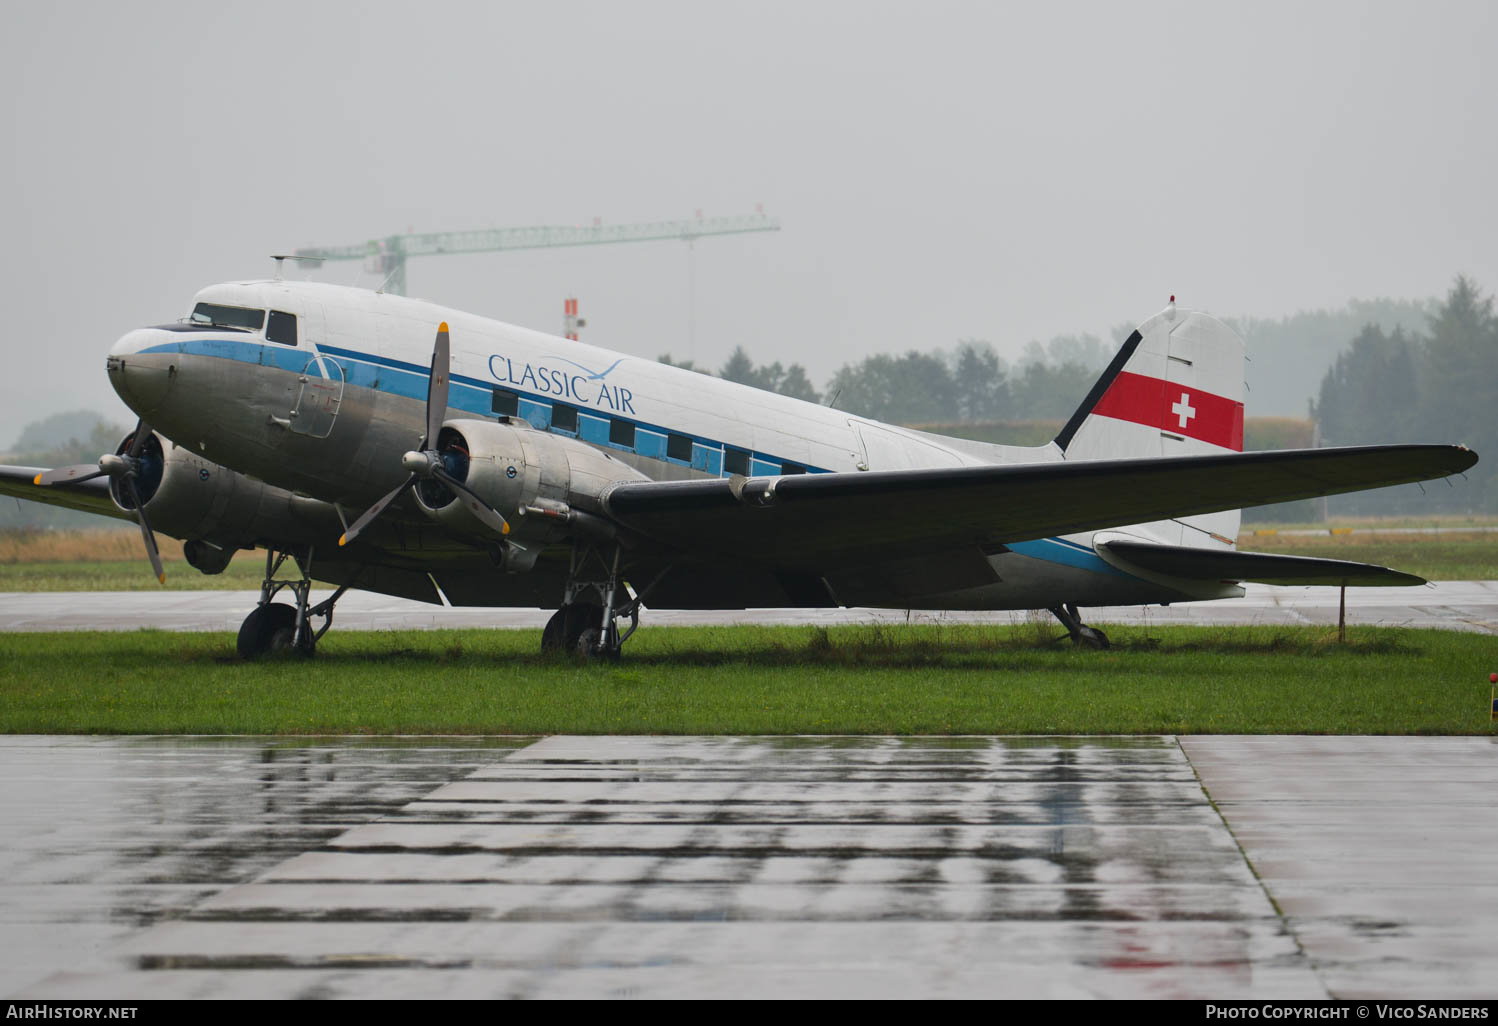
(139,439)
(69,475)
(437,388)
(489,516)
(374,511)
(145,528)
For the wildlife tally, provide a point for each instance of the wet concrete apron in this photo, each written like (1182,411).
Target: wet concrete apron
(1377,850)
(628,867)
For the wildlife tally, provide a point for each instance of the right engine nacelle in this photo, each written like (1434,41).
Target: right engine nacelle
(534,479)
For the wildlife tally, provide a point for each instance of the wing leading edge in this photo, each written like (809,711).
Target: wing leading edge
(88,496)
(821,521)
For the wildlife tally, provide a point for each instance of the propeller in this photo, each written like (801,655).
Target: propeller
(425,463)
(122,469)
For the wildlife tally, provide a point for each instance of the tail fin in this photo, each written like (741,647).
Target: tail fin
(1175,388)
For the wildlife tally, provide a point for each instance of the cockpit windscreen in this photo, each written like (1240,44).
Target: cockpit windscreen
(228,316)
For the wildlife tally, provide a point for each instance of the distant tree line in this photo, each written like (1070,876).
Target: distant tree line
(1288,355)
(969,383)
(1439,384)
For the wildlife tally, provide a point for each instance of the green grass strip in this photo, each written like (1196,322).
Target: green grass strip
(919,679)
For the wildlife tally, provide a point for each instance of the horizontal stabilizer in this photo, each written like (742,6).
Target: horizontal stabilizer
(1260,567)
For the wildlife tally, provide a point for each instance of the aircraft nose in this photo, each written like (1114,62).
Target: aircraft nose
(135,341)
(139,372)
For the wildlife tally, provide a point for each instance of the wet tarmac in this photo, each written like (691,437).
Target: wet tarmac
(1377,850)
(1452,605)
(746,867)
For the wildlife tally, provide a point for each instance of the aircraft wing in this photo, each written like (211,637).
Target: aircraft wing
(89,496)
(821,521)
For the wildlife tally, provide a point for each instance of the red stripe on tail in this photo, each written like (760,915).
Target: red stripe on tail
(1175,409)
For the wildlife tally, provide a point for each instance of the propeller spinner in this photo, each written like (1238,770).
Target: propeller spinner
(123,470)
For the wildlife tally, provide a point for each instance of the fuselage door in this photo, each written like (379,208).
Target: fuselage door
(319,399)
(318,389)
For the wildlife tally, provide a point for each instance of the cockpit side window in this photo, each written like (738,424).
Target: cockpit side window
(282,328)
(212,314)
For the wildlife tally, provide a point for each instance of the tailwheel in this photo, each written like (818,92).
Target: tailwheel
(1082,635)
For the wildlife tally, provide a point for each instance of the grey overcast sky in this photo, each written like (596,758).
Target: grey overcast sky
(1004,171)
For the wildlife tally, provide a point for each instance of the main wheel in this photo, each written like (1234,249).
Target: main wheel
(587,649)
(576,619)
(269,630)
(553,638)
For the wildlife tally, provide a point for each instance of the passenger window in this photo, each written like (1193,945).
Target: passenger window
(622,432)
(281,328)
(679,447)
(506,403)
(736,461)
(564,417)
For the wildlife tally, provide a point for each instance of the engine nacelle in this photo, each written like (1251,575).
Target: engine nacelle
(542,484)
(188,497)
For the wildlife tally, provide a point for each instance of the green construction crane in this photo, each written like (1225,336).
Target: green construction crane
(387,257)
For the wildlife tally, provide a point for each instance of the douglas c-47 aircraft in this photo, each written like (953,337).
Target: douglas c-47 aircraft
(497,466)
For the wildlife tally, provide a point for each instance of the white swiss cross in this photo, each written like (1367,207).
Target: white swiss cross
(1183,409)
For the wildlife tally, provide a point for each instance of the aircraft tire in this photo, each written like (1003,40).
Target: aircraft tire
(587,647)
(553,638)
(1091,637)
(268,630)
(579,617)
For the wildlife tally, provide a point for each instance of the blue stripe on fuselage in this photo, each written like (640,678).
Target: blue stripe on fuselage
(397,377)
(1067,553)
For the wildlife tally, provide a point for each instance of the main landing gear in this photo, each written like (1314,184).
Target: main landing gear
(274,628)
(587,625)
(1081,634)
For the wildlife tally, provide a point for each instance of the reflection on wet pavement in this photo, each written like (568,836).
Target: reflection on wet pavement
(1375,849)
(104,836)
(641,866)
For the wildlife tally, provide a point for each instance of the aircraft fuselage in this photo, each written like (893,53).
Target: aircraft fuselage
(324,395)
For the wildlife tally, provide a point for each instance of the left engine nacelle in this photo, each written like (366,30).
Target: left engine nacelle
(191,498)
(534,479)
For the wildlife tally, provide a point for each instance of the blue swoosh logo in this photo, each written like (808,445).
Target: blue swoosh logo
(594,375)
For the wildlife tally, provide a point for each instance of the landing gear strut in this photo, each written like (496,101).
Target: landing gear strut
(1081,634)
(587,625)
(273,628)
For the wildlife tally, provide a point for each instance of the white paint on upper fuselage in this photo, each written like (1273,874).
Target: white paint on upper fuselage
(549,368)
